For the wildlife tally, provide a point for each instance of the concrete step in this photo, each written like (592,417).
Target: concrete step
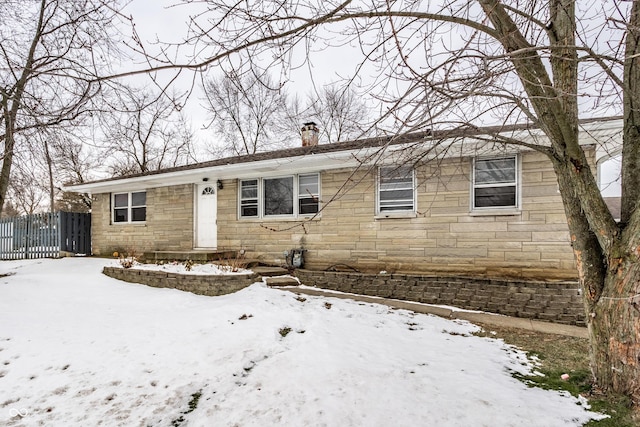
(266,271)
(278,281)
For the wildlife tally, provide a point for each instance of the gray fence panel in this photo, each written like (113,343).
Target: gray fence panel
(6,236)
(45,235)
(76,232)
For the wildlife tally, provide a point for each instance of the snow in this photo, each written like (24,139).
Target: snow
(373,297)
(78,348)
(176,267)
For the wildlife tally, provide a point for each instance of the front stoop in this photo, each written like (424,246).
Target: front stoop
(266,271)
(281,281)
(199,256)
(275,276)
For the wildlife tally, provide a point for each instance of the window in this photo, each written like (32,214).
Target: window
(278,196)
(495,183)
(396,189)
(130,207)
(249,198)
(287,196)
(308,194)
(209,191)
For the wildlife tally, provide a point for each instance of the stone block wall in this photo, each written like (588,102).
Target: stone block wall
(210,285)
(559,302)
(443,237)
(168,226)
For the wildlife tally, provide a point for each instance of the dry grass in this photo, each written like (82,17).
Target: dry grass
(559,355)
(553,350)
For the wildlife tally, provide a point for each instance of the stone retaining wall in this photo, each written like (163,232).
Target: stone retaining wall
(559,302)
(210,285)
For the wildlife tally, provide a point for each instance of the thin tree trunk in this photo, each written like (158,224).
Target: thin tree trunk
(7,160)
(50,170)
(10,111)
(631,107)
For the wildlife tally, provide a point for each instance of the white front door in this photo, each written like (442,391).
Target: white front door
(206,216)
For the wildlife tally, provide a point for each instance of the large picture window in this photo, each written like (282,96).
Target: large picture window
(495,183)
(396,189)
(287,196)
(130,207)
(278,196)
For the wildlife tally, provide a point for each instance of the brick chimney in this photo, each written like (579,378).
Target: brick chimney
(309,134)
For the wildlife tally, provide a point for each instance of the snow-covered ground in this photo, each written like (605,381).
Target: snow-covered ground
(81,349)
(176,267)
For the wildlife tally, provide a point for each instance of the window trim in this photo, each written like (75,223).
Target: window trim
(129,207)
(516,184)
(263,205)
(257,198)
(396,212)
(296,197)
(312,196)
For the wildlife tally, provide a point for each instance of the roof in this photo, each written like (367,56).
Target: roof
(339,154)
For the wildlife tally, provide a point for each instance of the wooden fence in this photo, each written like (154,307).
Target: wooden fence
(45,235)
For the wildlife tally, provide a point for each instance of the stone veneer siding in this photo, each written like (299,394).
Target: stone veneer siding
(210,285)
(559,302)
(169,224)
(443,238)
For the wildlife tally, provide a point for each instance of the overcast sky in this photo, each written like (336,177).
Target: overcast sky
(159,20)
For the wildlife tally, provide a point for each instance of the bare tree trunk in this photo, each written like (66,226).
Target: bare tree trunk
(614,317)
(10,111)
(607,258)
(9,143)
(5,171)
(611,293)
(631,106)
(50,171)
(614,331)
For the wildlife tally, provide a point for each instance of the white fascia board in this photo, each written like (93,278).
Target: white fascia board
(272,167)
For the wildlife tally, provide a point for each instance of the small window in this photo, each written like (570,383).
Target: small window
(130,207)
(249,198)
(208,191)
(495,183)
(308,194)
(396,189)
(121,207)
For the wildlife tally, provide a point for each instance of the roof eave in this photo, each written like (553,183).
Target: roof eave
(270,167)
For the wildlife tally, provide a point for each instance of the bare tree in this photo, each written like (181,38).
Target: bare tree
(461,63)
(145,131)
(71,162)
(341,114)
(50,56)
(53,156)
(247,113)
(28,188)
(251,113)
(9,211)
